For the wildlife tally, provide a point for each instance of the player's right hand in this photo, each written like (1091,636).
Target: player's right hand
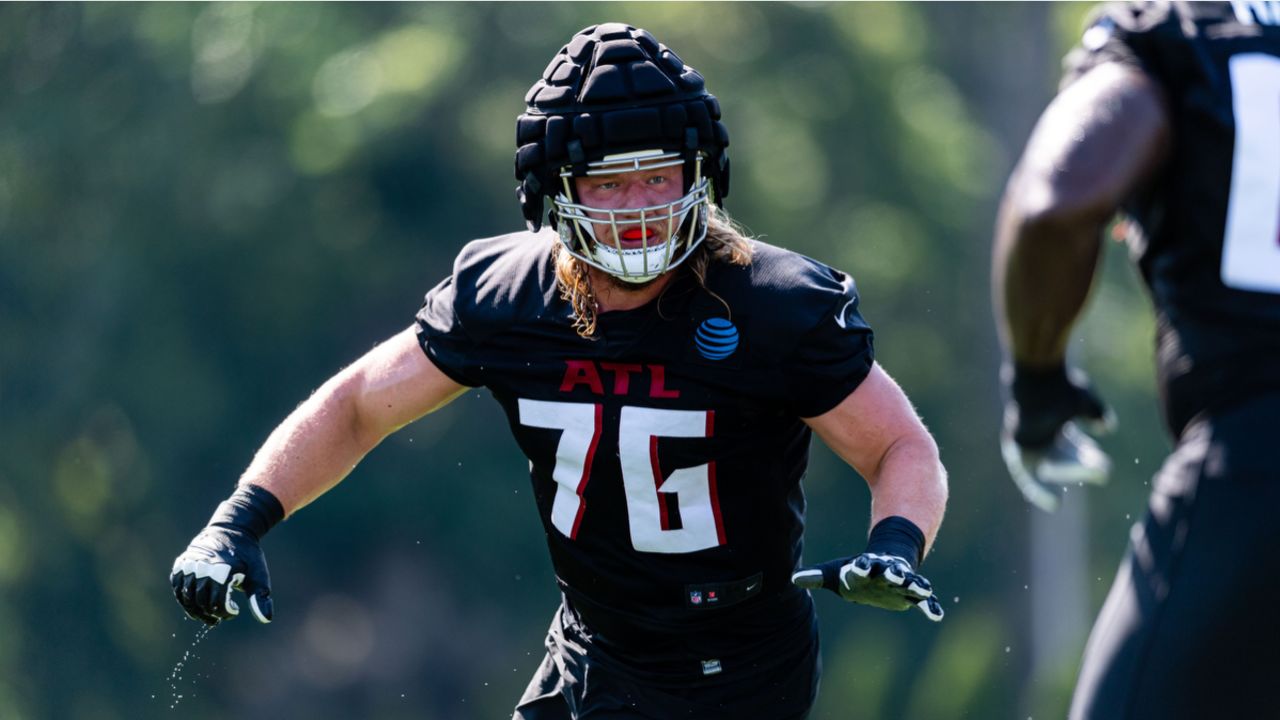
(1042,442)
(226,556)
(217,561)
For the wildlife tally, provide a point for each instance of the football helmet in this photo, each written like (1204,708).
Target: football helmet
(615,100)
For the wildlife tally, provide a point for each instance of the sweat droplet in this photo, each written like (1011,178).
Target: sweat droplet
(175,675)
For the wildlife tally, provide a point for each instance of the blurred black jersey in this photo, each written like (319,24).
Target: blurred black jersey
(666,454)
(1208,236)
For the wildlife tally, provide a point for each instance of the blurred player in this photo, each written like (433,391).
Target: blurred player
(663,374)
(1170,112)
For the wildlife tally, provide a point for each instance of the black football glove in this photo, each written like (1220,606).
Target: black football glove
(882,576)
(1042,442)
(225,555)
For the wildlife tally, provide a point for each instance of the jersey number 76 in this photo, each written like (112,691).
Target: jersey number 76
(653,503)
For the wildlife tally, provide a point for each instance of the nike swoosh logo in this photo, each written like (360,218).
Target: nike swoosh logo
(840,315)
(752,587)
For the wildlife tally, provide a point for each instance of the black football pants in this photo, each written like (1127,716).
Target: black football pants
(1191,627)
(569,686)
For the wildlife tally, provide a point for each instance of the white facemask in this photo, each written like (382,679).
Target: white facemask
(667,250)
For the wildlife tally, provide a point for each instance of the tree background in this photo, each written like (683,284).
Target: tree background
(206,209)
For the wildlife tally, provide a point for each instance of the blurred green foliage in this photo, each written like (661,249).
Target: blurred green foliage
(206,209)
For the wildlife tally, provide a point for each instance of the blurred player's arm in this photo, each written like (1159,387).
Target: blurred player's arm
(323,439)
(1093,146)
(878,433)
(1096,144)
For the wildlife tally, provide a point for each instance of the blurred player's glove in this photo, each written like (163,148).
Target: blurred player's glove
(1041,442)
(882,576)
(226,556)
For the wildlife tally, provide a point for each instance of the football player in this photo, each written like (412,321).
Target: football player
(1169,112)
(663,374)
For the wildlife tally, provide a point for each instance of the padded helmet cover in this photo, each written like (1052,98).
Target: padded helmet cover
(614,89)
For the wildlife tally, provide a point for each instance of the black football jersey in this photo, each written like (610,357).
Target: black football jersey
(1208,239)
(666,454)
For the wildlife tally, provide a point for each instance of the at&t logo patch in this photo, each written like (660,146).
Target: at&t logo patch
(716,338)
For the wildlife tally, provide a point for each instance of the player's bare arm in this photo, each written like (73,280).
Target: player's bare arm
(1094,146)
(879,434)
(322,440)
(315,447)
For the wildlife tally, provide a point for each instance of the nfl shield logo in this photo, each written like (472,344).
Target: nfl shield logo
(695,597)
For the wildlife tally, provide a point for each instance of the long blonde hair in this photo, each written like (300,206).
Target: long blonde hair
(726,242)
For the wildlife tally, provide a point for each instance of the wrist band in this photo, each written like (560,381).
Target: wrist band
(896,535)
(250,508)
(1036,384)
